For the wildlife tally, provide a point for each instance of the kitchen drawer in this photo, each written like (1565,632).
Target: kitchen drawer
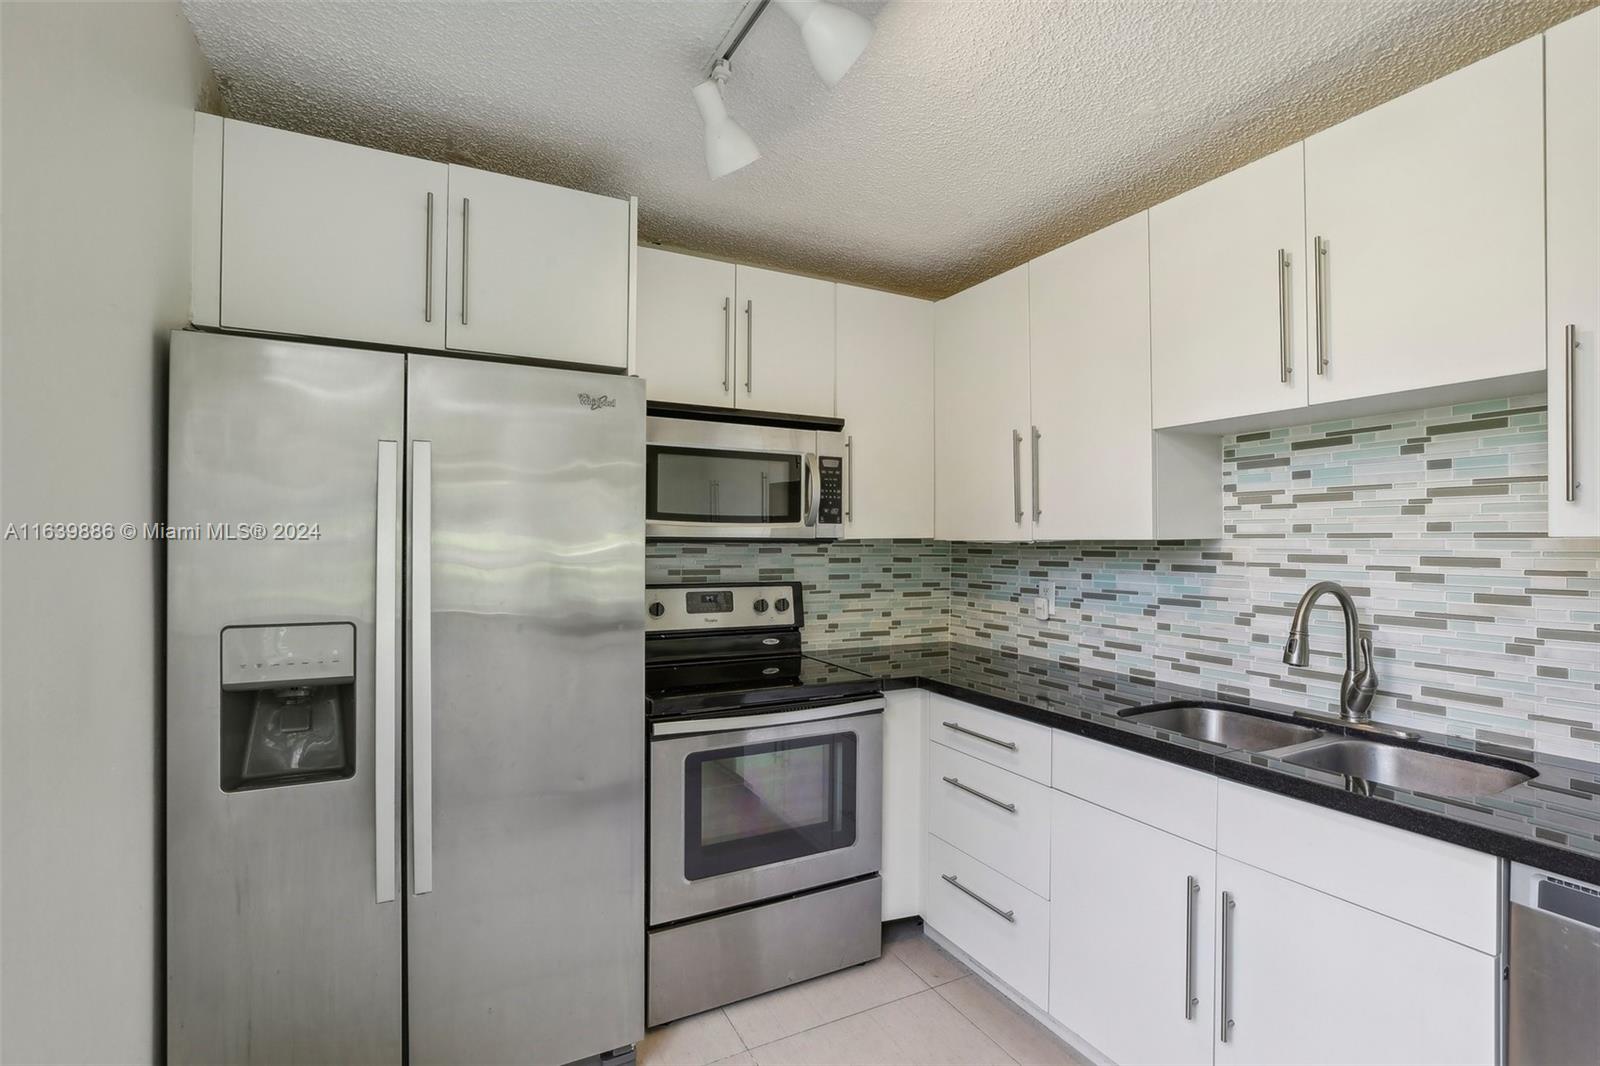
(1173,798)
(1019,746)
(1006,828)
(1009,937)
(1442,888)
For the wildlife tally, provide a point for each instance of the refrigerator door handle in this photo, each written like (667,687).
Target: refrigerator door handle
(421,661)
(386,703)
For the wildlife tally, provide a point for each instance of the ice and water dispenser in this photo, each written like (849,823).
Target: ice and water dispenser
(288,705)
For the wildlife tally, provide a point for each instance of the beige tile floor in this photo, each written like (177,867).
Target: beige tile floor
(915,1006)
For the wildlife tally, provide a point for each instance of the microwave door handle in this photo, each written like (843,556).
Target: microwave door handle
(813,492)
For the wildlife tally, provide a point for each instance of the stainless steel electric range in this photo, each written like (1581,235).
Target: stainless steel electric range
(765,800)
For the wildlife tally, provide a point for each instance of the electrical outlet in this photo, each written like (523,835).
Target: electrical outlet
(1044,604)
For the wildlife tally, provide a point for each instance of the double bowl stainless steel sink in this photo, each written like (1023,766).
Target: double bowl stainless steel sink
(1356,759)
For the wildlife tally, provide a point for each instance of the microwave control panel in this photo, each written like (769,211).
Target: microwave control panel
(830,508)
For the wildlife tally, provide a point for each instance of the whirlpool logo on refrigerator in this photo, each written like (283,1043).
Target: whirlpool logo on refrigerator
(594,403)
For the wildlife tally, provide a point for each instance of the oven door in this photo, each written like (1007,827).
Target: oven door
(722,480)
(745,809)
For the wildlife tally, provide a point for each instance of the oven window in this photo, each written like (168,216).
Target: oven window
(758,804)
(711,485)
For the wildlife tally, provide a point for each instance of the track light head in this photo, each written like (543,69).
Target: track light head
(728,147)
(834,36)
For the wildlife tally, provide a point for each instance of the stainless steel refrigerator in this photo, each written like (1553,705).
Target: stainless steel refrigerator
(405,753)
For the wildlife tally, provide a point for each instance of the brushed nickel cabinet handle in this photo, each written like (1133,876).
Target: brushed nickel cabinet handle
(1572,413)
(1319,284)
(749,344)
(1036,511)
(466,206)
(1016,476)
(849,479)
(1285,367)
(1010,916)
(427,267)
(1191,889)
(969,790)
(1008,745)
(1227,983)
(727,340)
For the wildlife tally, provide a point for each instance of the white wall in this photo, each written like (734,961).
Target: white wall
(95,120)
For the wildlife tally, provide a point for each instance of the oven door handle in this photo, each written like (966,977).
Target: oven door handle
(679,726)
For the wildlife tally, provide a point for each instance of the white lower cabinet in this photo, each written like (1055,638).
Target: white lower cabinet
(1002,926)
(1304,977)
(903,757)
(1131,936)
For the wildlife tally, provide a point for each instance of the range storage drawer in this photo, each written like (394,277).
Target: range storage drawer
(1019,746)
(996,816)
(1003,926)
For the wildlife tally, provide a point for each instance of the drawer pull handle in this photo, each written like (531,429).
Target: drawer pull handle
(1012,807)
(1010,916)
(1008,745)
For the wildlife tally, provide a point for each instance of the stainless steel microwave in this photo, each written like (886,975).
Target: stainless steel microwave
(733,481)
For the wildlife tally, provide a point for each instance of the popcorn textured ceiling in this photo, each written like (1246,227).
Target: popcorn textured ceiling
(971,137)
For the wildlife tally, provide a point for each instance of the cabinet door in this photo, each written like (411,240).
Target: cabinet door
(1131,936)
(685,322)
(981,425)
(1227,295)
(903,750)
(1089,332)
(322,239)
(1572,183)
(537,271)
(1429,211)
(885,375)
(783,351)
(1287,954)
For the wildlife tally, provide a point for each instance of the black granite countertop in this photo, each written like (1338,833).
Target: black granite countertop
(1551,821)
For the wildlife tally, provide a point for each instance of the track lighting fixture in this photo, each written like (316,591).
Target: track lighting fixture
(728,147)
(834,38)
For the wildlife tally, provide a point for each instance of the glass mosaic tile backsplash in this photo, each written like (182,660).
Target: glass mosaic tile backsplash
(1433,519)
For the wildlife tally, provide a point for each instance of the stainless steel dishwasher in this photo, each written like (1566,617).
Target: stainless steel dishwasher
(1554,1007)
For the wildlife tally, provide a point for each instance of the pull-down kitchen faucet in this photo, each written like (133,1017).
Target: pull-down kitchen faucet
(1360,678)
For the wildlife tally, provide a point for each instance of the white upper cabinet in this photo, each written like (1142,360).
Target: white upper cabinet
(685,323)
(1425,226)
(885,375)
(322,239)
(981,411)
(1572,183)
(783,342)
(1228,295)
(537,271)
(1097,468)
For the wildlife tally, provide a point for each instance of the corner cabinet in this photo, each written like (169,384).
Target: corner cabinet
(1099,472)
(1425,234)
(322,239)
(1572,185)
(537,271)
(982,419)
(313,238)
(885,386)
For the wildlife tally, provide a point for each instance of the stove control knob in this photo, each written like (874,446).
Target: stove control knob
(782,605)
(760,606)
(657,609)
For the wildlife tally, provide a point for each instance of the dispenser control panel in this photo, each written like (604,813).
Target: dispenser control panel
(276,656)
